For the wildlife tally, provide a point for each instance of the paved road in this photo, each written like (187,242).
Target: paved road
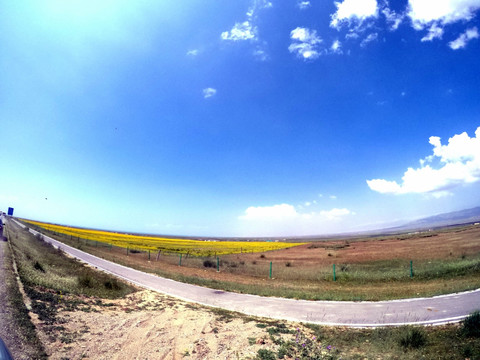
(422,311)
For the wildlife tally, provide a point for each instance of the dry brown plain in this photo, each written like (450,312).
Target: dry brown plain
(306,271)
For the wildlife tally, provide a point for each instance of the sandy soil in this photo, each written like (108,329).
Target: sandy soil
(148,325)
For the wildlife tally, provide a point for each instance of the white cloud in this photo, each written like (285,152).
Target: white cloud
(393,19)
(260,54)
(336,47)
(302,5)
(209,92)
(435,16)
(275,212)
(333,197)
(284,212)
(241,31)
(425,12)
(369,39)
(193,52)
(353,11)
(336,214)
(247,29)
(459,164)
(287,219)
(305,43)
(464,38)
(435,32)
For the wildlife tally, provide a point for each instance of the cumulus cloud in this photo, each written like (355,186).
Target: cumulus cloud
(305,43)
(458,164)
(209,92)
(247,30)
(353,11)
(434,17)
(464,38)
(336,47)
(240,31)
(423,12)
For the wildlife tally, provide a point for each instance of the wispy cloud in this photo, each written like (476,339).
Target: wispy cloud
(459,164)
(369,39)
(192,53)
(393,19)
(302,5)
(464,38)
(434,32)
(209,92)
(305,43)
(284,212)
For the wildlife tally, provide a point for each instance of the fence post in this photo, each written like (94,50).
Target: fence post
(334,275)
(148,255)
(180,261)
(127,250)
(158,255)
(411,268)
(218,264)
(270,269)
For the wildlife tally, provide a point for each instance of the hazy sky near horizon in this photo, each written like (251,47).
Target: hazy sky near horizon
(239,118)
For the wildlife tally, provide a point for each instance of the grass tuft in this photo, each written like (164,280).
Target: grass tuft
(471,325)
(412,337)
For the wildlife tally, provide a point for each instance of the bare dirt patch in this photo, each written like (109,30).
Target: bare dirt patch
(148,325)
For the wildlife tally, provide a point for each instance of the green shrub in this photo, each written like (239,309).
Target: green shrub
(38,266)
(265,354)
(412,337)
(209,263)
(85,281)
(471,325)
(112,284)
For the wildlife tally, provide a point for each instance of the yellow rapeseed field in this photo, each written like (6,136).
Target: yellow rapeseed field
(155,243)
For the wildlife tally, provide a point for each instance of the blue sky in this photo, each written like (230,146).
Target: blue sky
(239,118)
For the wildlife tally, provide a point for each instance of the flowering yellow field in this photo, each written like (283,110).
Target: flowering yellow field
(181,246)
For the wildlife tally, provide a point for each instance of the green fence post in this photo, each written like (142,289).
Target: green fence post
(180,261)
(270,269)
(411,268)
(334,275)
(218,264)
(148,255)
(127,250)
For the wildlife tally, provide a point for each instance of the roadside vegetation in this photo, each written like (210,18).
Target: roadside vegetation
(22,326)
(383,268)
(55,283)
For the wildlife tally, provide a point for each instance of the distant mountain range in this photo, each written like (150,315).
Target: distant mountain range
(445,219)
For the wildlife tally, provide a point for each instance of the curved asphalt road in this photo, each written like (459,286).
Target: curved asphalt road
(421,311)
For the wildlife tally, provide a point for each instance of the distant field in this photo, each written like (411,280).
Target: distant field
(173,245)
